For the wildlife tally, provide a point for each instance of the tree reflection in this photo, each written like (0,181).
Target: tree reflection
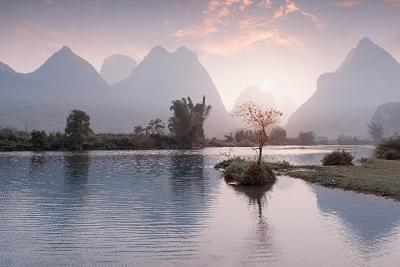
(256,196)
(187,174)
(37,159)
(76,168)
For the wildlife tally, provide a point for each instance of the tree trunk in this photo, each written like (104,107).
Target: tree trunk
(260,148)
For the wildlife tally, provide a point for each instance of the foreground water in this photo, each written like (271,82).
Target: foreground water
(170,208)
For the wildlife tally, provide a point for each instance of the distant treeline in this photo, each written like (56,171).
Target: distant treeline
(184,130)
(278,136)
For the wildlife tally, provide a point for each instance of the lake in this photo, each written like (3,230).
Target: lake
(171,208)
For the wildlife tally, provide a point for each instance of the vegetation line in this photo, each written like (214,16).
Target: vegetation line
(377,176)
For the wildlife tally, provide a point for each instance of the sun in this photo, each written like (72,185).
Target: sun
(268,86)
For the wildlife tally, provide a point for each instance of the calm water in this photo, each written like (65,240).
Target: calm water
(169,208)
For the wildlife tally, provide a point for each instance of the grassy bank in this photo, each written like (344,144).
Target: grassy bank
(378,177)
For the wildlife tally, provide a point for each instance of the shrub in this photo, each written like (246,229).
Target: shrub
(225,163)
(249,173)
(279,165)
(337,158)
(388,148)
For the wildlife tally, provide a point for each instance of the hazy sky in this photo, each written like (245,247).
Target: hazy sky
(282,45)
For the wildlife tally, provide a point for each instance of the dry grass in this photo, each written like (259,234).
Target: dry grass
(379,177)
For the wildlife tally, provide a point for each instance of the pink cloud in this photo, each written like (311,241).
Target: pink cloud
(349,3)
(240,43)
(393,2)
(207,27)
(239,29)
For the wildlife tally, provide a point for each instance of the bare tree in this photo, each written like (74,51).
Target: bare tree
(261,119)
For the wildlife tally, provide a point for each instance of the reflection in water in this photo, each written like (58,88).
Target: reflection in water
(187,174)
(37,160)
(256,196)
(76,168)
(369,218)
(170,208)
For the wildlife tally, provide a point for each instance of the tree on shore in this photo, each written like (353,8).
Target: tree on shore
(77,129)
(187,121)
(155,127)
(278,135)
(38,140)
(261,119)
(306,138)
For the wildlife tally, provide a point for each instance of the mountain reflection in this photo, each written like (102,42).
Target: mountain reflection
(362,215)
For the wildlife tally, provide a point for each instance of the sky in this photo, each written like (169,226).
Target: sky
(281,45)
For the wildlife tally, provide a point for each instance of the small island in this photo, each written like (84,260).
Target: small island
(238,171)
(379,175)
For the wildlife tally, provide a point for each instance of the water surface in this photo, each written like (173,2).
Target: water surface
(171,208)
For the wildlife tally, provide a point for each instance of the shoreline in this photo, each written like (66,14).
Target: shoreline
(377,177)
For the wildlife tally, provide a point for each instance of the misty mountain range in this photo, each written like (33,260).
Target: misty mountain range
(265,99)
(115,68)
(42,99)
(346,99)
(125,94)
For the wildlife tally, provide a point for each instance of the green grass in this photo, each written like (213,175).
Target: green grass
(379,177)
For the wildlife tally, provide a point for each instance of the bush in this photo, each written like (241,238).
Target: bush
(225,163)
(388,148)
(279,165)
(249,173)
(337,158)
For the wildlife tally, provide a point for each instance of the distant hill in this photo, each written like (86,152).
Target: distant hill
(42,99)
(163,76)
(346,99)
(116,68)
(255,94)
(388,115)
(259,96)
(5,68)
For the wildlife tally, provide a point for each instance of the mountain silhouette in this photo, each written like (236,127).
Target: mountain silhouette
(43,98)
(388,116)
(265,99)
(164,76)
(116,68)
(346,99)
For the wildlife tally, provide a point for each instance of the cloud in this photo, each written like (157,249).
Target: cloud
(291,7)
(206,27)
(240,43)
(349,3)
(227,27)
(393,2)
(357,3)
(265,3)
(286,9)
(216,11)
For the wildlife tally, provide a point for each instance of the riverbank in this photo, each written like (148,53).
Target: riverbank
(378,177)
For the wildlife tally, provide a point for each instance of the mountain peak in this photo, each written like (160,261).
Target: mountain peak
(158,50)
(257,95)
(5,68)
(367,56)
(67,68)
(66,49)
(184,50)
(185,54)
(365,42)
